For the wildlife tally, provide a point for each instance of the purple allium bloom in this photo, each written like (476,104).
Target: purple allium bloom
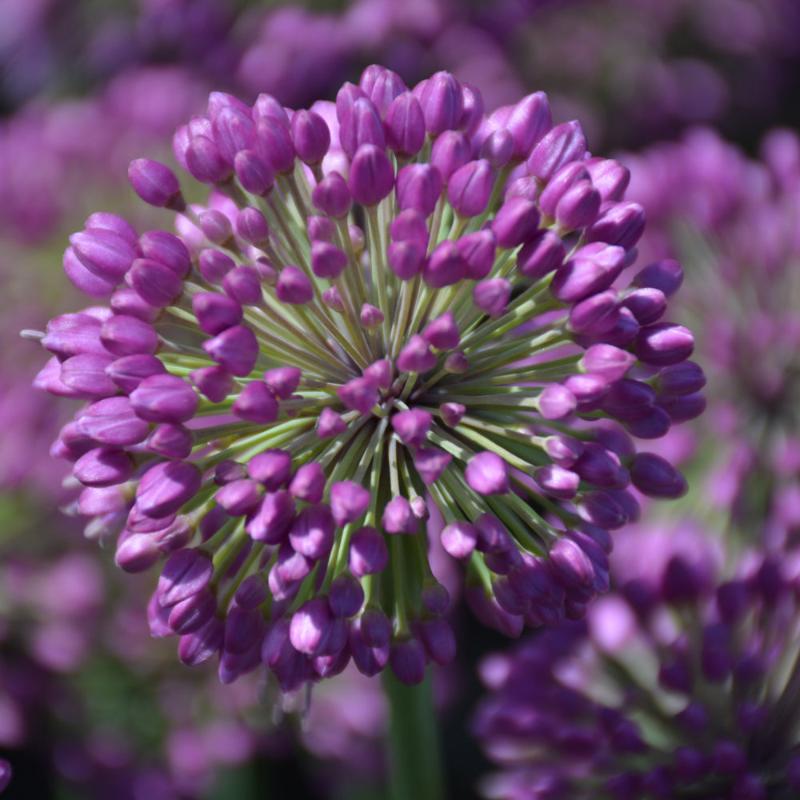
(680,684)
(441,399)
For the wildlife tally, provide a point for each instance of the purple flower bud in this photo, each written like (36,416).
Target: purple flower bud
(271,468)
(271,522)
(164,398)
(571,567)
(333,299)
(361,126)
(492,295)
(368,552)
(406,259)
(449,153)
(348,501)
(308,483)
(243,285)
(578,207)
(274,143)
(419,187)
(332,196)
(312,532)
(410,226)
(562,181)
(592,269)
(310,135)
(683,408)
(487,473)
(452,413)
(442,332)
(516,222)
(469,188)
(104,252)
(136,553)
(430,463)
(557,481)
(439,640)
(664,344)
(214,265)
(330,423)
(186,573)
(216,226)
(398,517)
(541,256)
(609,177)
(472,112)
(327,260)
(371,175)
(320,229)
(165,487)
(170,441)
(310,626)
(104,466)
(608,361)
(621,224)
(407,659)
(442,103)
(561,145)
(445,266)
(215,312)
(253,172)
(155,183)
(646,304)
(595,315)
(85,280)
(405,125)
(87,376)
(124,335)
(129,302)
(205,162)
(251,225)
(283,381)
(256,403)
(666,275)
(294,287)
(655,476)
(681,379)
(456,363)
(528,122)
(459,538)
(556,402)
(215,383)
(112,421)
(359,394)
(478,250)
(416,356)
(346,596)
(498,148)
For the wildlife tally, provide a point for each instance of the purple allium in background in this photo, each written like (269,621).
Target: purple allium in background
(680,684)
(732,222)
(387,303)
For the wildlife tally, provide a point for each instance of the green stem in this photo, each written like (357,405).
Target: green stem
(415,760)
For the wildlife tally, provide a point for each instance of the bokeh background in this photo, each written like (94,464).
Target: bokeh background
(90,706)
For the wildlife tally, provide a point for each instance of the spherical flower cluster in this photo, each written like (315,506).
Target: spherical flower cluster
(684,687)
(733,223)
(388,302)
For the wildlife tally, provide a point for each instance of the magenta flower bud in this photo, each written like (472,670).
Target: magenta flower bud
(332,196)
(186,573)
(215,383)
(406,259)
(312,532)
(123,335)
(170,440)
(498,148)
(557,481)
(380,373)
(310,136)
(561,145)
(664,344)
(333,299)
(681,379)
(253,172)
(459,539)
(595,315)
(601,467)
(407,659)
(588,390)
(528,122)
(361,126)
(267,107)
(271,522)
(562,181)
(165,487)
(205,162)
(193,613)
(646,304)
(330,424)
(541,256)
(492,535)
(571,567)
(308,483)
(592,269)
(449,153)
(283,381)
(487,473)
(371,175)
(445,266)
(136,553)
(86,375)
(370,316)
(104,466)
(556,402)
(228,471)
(405,125)
(452,413)
(416,356)
(256,403)
(214,265)
(128,301)
(609,177)
(271,468)
(492,295)
(656,477)
(516,222)
(621,224)
(398,517)
(607,361)
(73,335)
(470,187)
(112,421)
(666,275)
(442,332)
(251,225)
(164,398)
(155,183)
(578,207)
(104,252)
(294,287)
(349,501)
(166,249)
(412,426)
(84,279)
(431,462)
(419,186)
(368,552)
(310,626)
(359,394)
(327,260)
(156,284)
(243,285)
(456,363)
(274,144)
(233,127)
(346,597)
(112,222)
(472,111)
(478,251)
(216,226)
(442,103)
(320,229)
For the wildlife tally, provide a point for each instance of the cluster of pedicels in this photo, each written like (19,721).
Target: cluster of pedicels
(388,303)
(680,684)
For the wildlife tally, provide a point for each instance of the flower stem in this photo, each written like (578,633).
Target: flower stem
(415,761)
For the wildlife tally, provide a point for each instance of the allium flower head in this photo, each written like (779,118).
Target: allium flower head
(680,685)
(387,302)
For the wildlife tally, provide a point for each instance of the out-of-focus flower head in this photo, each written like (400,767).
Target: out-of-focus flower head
(388,303)
(680,684)
(732,222)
